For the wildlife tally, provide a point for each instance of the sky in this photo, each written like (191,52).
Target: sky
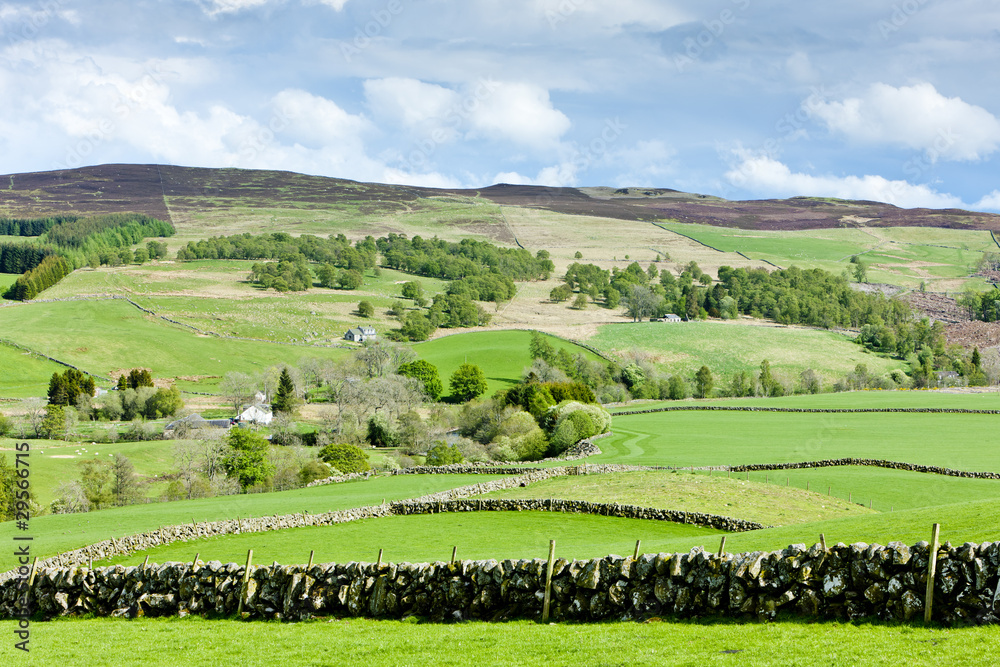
(894,101)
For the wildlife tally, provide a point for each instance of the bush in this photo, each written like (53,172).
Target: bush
(312,471)
(441,454)
(345,458)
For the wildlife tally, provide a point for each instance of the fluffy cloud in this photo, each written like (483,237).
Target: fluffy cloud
(916,117)
(769,177)
(520,113)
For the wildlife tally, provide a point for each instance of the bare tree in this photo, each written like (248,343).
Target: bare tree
(34,413)
(382,358)
(238,388)
(212,451)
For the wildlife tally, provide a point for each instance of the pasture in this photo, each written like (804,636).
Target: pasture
(731,438)
(62,532)
(24,374)
(503,356)
(728,347)
(354,641)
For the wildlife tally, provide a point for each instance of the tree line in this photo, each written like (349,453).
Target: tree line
(438,258)
(28,285)
(32,226)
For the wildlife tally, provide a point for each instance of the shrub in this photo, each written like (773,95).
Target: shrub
(345,458)
(441,454)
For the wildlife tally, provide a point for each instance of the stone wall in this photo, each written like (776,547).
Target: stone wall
(843,582)
(452,500)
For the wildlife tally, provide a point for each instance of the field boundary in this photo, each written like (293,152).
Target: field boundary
(750,408)
(18,346)
(452,500)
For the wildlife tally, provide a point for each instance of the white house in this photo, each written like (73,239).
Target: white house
(360,334)
(256,414)
(670,317)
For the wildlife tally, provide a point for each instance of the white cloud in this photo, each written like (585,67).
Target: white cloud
(771,178)
(916,117)
(990,202)
(518,112)
(232,6)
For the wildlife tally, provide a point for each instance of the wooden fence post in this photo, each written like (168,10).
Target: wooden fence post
(454,552)
(548,581)
(379,561)
(822,541)
(31,575)
(311,554)
(194,563)
(145,563)
(246,581)
(722,546)
(635,556)
(931,571)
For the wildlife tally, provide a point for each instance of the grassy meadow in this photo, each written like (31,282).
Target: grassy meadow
(728,347)
(354,641)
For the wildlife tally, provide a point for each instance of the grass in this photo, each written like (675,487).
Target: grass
(104,336)
(24,374)
(502,355)
(49,467)
(730,347)
(987,400)
(62,532)
(769,504)
(172,641)
(428,538)
(731,438)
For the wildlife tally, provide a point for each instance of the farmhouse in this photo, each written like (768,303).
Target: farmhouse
(360,334)
(256,414)
(670,317)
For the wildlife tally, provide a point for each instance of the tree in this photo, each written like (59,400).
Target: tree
(560,293)
(703,382)
(285,399)
(246,459)
(124,483)
(380,432)
(54,424)
(95,478)
(413,290)
(641,302)
(416,326)
(441,455)
(769,386)
(345,458)
(580,303)
(425,372)
(238,388)
(468,382)
(860,269)
(366,309)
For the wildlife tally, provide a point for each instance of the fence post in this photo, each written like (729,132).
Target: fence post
(194,563)
(931,571)
(246,580)
(312,553)
(722,546)
(548,581)
(454,552)
(378,563)
(822,541)
(31,575)
(635,556)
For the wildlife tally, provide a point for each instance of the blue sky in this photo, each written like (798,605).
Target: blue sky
(893,101)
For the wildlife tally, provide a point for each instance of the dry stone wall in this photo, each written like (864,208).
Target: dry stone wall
(844,582)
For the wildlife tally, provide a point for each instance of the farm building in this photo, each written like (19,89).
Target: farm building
(360,334)
(197,421)
(670,317)
(256,414)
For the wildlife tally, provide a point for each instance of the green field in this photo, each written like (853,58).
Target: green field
(103,336)
(428,538)
(56,461)
(502,355)
(984,400)
(732,438)
(62,532)
(24,374)
(727,347)
(367,643)
(902,256)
